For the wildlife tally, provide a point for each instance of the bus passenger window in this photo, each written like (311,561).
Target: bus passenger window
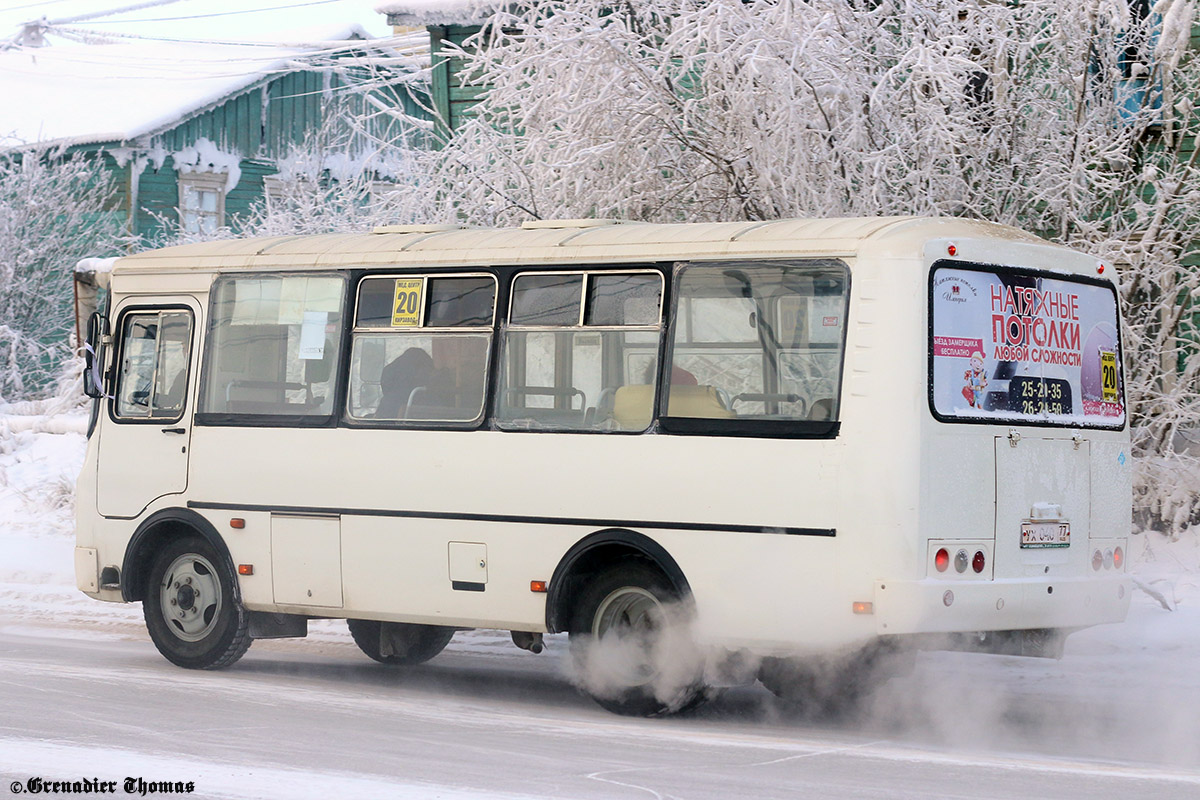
(580,351)
(420,349)
(155,353)
(274,346)
(758,341)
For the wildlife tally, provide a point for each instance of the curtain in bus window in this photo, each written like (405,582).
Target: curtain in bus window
(274,345)
(421,347)
(1013,345)
(758,341)
(581,351)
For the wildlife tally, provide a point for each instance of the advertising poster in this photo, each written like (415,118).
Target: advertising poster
(1018,347)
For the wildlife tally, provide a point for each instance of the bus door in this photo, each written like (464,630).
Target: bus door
(143,452)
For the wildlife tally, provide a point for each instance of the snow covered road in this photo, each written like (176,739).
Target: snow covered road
(322,721)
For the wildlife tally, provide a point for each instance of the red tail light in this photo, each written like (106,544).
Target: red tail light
(979,561)
(1118,558)
(942,560)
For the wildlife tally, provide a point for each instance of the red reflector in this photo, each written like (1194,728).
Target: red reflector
(952,250)
(978,562)
(942,560)
(245,569)
(1097,560)
(237,522)
(1118,557)
(537,586)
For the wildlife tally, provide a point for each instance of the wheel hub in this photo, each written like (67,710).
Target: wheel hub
(629,624)
(190,597)
(186,597)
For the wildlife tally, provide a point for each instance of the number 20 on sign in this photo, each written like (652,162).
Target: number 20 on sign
(406,305)
(1108,376)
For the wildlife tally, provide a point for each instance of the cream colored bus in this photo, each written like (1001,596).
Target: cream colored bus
(774,444)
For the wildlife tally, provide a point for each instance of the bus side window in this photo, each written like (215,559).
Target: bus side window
(420,349)
(274,345)
(758,341)
(155,354)
(580,351)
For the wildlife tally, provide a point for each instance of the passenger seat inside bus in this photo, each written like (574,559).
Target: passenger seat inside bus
(633,405)
(821,410)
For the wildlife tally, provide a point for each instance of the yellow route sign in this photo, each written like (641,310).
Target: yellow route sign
(406,306)
(1108,376)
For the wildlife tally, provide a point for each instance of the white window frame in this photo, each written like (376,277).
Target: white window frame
(193,182)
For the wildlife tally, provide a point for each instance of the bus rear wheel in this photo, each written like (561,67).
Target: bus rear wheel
(399,643)
(631,643)
(191,608)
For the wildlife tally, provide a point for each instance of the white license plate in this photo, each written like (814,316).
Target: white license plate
(1045,534)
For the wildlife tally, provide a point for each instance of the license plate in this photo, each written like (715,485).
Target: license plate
(1045,534)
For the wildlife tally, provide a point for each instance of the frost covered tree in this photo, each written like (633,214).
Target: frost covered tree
(52,214)
(1074,119)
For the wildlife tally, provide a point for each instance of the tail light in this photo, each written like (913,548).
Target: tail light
(979,561)
(942,560)
(1118,558)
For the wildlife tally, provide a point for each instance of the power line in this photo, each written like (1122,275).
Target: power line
(216,14)
(84,34)
(30,5)
(280,61)
(110,12)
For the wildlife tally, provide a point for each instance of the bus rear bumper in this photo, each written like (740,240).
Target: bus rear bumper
(933,606)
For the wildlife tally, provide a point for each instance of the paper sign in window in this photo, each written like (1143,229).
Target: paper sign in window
(312,335)
(406,303)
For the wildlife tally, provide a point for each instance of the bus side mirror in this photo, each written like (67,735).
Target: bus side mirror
(93,355)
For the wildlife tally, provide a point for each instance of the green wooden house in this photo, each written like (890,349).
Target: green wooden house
(450,24)
(193,134)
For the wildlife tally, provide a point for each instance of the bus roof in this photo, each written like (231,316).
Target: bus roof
(563,241)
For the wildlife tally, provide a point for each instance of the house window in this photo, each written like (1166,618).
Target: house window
(201,202)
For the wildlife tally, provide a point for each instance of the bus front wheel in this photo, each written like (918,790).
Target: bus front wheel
(631,643)
(191,609)
(399,643)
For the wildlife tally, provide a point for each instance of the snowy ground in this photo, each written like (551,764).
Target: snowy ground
(1118,717)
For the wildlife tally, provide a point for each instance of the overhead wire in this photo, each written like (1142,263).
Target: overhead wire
(363,53)
(215,14)
(112,11)
(6,9)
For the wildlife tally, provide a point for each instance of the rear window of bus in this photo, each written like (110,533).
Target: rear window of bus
(1017,345)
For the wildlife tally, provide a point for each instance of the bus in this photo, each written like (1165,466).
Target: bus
(775,444)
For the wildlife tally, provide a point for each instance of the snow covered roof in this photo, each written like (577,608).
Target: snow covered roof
(68,94)
(440,12)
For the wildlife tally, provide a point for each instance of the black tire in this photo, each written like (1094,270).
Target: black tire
(631,643)
(411,644)
(191,606)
